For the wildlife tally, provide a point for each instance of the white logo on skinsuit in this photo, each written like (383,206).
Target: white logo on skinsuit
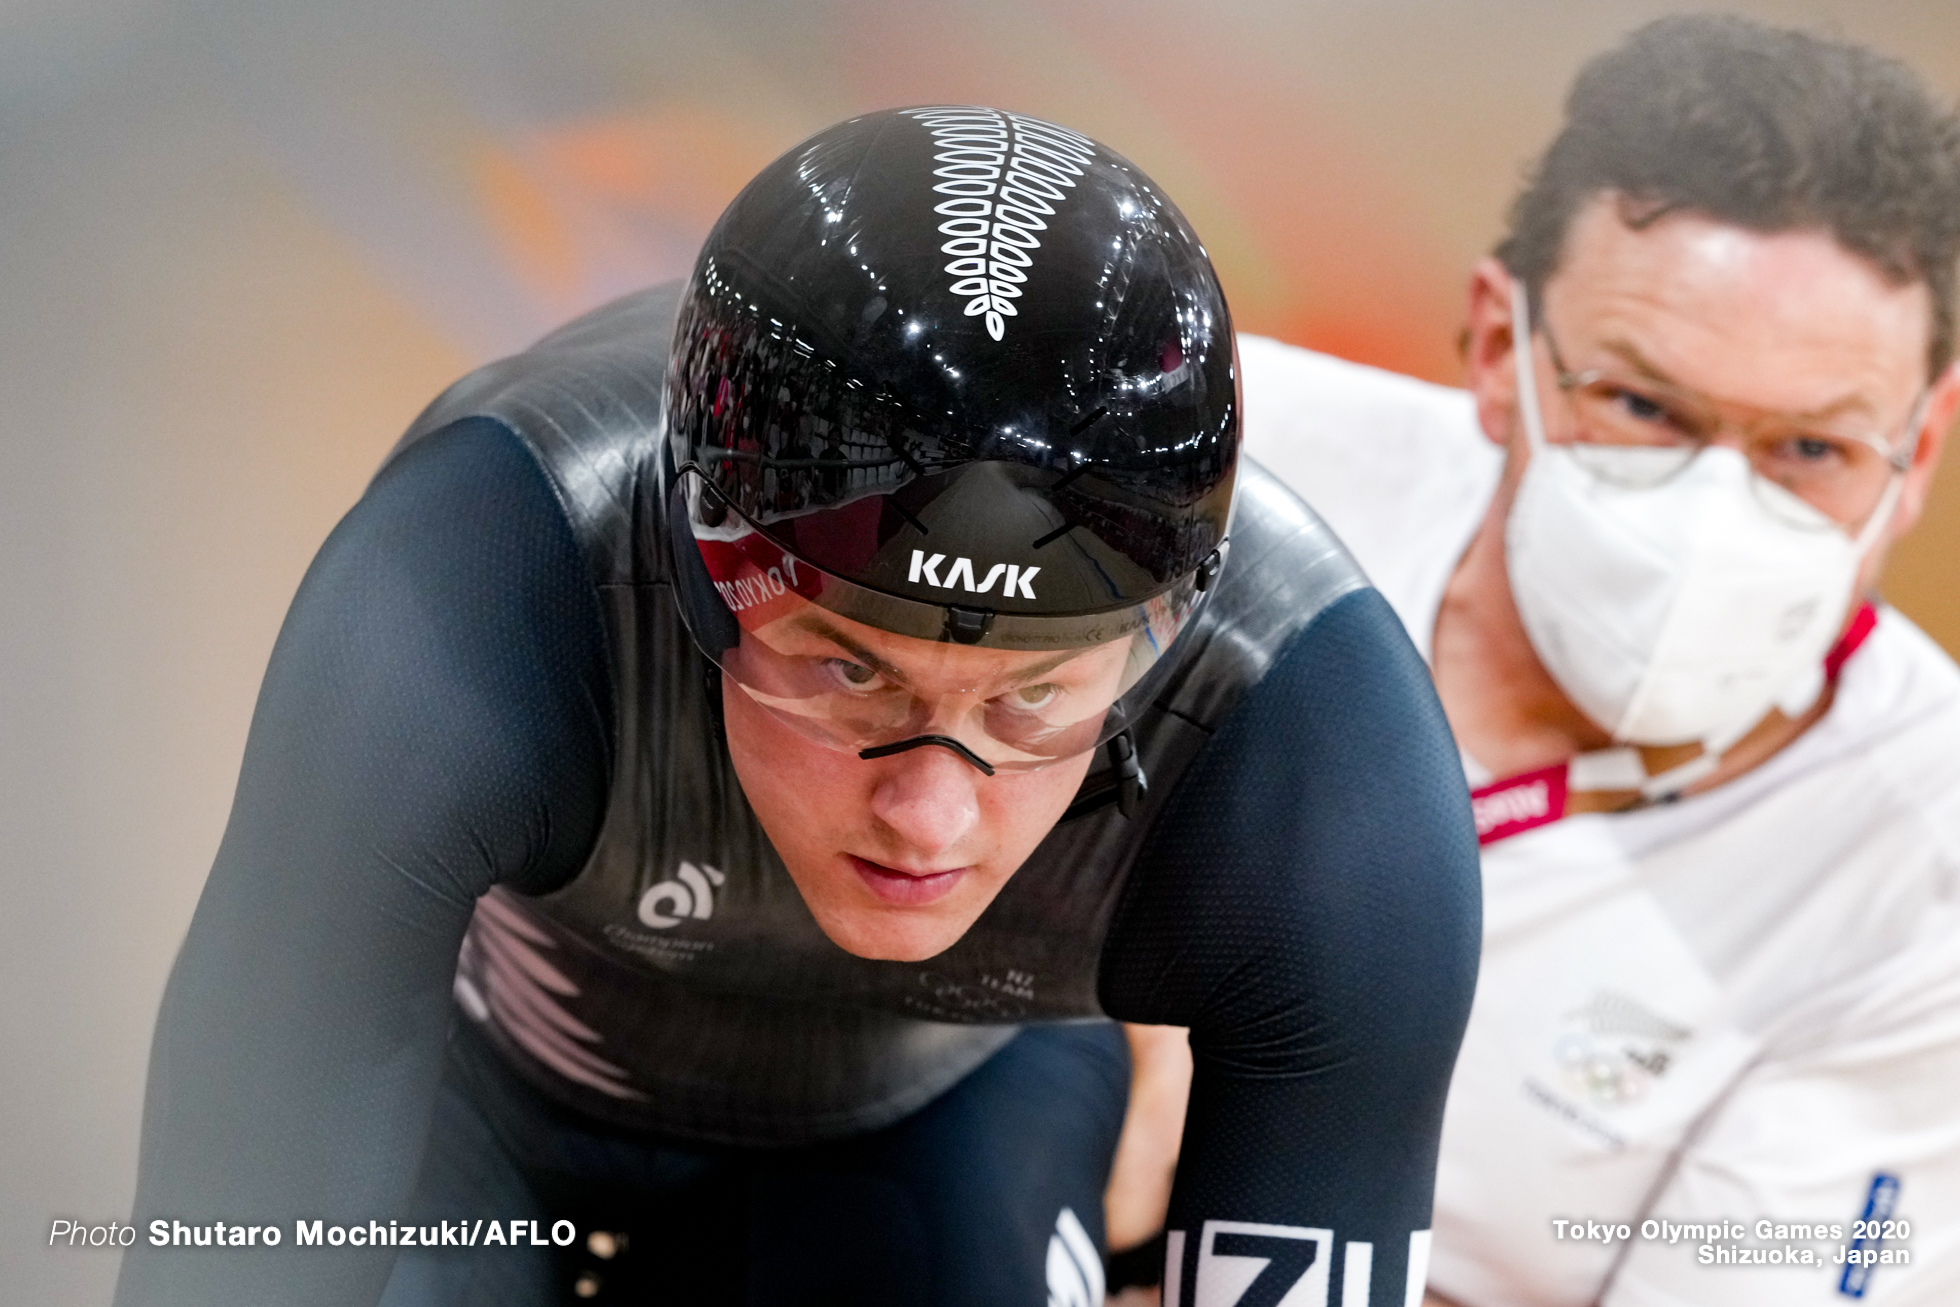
(690,894)
(1075,1269)
(1247,1264)
(1297,1255)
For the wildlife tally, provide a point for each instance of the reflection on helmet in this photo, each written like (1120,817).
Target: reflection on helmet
(861,670)
(960,376)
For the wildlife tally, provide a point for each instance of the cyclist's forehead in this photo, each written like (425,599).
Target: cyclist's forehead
(1784,322)
(939,663)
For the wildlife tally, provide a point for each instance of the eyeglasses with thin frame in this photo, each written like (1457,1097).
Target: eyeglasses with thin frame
(1640,432)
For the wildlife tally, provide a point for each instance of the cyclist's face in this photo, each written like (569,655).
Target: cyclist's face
(897,856)
(853,687)
(1780,331)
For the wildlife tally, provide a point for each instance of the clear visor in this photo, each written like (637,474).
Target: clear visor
(861,670)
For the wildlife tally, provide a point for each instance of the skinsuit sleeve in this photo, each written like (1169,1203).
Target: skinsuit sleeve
(1310,907)
(435,719)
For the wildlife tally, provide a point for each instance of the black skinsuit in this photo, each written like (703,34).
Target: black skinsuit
(484,731)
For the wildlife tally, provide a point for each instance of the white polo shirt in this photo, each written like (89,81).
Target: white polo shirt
(1742,1007)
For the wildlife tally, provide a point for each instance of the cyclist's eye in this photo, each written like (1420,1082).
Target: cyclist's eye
(853,676)
(1030,697)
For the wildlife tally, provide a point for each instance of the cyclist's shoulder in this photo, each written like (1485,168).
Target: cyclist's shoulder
(1284,567)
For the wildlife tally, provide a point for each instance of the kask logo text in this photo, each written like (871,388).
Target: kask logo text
(1020,580)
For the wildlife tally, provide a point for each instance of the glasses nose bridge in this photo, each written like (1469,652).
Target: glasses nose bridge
(947,712)
(1720,427)
(1744,437)
(1754,438)
(1717,422)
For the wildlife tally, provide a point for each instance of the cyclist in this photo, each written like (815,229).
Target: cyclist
(791,716)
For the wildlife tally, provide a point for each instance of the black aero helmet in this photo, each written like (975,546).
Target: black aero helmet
(963,376)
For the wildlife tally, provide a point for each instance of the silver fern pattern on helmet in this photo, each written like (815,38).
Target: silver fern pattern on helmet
(1003,174)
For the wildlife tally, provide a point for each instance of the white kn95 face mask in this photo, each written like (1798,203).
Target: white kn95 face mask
(1679,612)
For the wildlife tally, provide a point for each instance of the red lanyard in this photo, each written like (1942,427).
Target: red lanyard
(1532,799)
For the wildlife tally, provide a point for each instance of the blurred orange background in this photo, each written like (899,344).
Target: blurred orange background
(241,245)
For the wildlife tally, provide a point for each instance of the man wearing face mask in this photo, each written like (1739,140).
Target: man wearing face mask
(1715,1051)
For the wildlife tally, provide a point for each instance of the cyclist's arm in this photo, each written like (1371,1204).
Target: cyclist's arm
(1310,908)
(435,719)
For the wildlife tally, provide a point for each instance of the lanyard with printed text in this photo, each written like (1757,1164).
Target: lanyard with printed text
(1532,799)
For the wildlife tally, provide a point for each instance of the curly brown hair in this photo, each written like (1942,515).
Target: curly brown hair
(1763,127)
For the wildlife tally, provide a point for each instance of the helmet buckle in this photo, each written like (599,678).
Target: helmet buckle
(1209,569)
(968,625)
(1130,780)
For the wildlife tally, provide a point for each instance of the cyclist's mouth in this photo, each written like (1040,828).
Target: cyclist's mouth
(905,889)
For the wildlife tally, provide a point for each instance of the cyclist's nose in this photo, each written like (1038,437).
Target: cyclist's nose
(928,798)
